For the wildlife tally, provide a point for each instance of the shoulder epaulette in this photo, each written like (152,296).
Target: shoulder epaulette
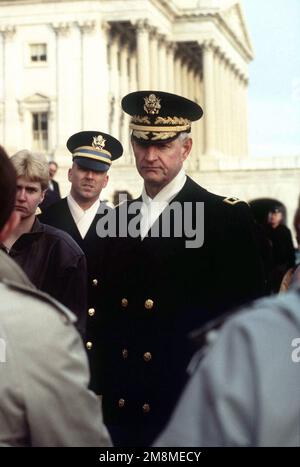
(232,200)
(38,294)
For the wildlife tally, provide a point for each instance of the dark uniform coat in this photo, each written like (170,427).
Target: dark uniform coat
(56,265)
(59,215)
(156,292)
(283,253)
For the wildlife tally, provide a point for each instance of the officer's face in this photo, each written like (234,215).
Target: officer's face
(29,196)
(86,184)
(159,163)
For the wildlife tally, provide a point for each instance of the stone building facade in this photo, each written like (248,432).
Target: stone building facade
(65,65)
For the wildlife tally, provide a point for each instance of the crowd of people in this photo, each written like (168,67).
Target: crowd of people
(148,281)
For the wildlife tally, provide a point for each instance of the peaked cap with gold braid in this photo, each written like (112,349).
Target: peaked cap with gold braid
(94,150)
(158,116)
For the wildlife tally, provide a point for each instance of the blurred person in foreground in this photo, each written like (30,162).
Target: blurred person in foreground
(244,384)
(44,400)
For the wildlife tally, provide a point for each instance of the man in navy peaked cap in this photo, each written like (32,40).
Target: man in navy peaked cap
(166,285)
(92,156)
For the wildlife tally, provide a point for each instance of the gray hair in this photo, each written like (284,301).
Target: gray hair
(183,136)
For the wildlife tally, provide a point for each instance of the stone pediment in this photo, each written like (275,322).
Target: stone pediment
(234,18)
(36,99)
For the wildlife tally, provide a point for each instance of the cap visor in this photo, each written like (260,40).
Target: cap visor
(91,164)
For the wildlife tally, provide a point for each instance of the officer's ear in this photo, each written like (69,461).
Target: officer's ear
(186,147)
(9,226)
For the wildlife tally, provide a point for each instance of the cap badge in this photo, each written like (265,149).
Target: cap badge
(152,104)
(98,142)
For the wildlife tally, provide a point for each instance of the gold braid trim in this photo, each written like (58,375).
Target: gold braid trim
(172,121)
(141,134)
(139,119)
(160,135)
(160,128)
(91,148)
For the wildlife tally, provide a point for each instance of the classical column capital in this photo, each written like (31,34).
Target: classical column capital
(162,38)
(153,31)
(142,25)
(171,46)
(105,26)
(208,44)
(86,27)
(7,31)
(61,29)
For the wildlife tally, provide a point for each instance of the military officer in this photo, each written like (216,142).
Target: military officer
(77,214)
(244,388)
(192,256)
(44,400)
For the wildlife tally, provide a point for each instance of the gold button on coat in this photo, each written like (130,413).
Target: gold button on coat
(124,302)
(125,353)
(91,311)
(95,282)
(89,345)
(149,304)
(147,356)
(146,408)
(121,403)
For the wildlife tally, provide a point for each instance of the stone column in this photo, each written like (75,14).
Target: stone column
(9,76)
(185,78)
(171,66)
(200,123)
(227,107)
(209,99)
(244,84)
(66,77)
(217,84)
(133,70)
(154,74)
(178,74)
(124,118)
(94,75)
(114,111)
(239,115)
(143,54)
(222,103)
(234,111)
(162,64)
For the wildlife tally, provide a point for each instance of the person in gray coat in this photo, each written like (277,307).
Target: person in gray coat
(44,400)
(244,389)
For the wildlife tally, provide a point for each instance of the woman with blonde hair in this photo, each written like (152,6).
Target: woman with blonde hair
(50,257)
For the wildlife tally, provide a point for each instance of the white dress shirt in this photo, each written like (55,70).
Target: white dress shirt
(82,218)
(153,207)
